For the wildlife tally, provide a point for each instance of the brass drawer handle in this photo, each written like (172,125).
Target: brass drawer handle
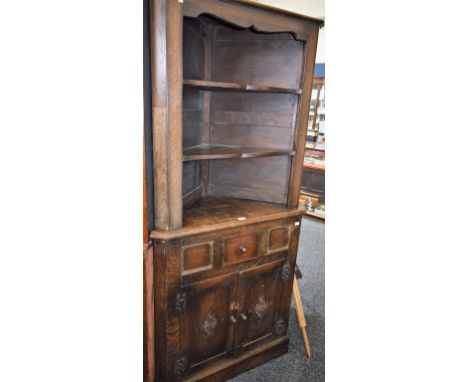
(243,248)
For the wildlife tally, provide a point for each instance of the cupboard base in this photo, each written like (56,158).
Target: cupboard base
(247,361)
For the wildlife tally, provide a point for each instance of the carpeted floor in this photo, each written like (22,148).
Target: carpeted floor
(294,366)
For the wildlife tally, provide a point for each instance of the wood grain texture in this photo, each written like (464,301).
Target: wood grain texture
(303,117)
(218,85)
(261,63)
(227,229)
(232,309)
(148,315)
(264,179)
(166,71)
(223,152)
(251,15)
(263,120)
(211,213)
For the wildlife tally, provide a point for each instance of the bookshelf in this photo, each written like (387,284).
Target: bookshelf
(313,176)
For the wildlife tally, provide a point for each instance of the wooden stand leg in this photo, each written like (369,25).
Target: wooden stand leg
(300,316)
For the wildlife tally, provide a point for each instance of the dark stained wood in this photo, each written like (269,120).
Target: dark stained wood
(217,85)
(166,74)
(248,360)
(257,304)
(207,318)
(245,119)
(240,248)
(224,152)
(148,314)
(192,176)
(192,117)
(192,196)
(252,15)
(278,239)
(231,309)
(264,179)
(221,213)
(228,146)
(198,257)
(303,117)
(260,60)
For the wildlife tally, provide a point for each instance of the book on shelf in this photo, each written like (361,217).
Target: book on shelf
(316,153)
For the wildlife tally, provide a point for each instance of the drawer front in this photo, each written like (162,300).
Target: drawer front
(240,248)
(279,238)
(197,257)
(233,250)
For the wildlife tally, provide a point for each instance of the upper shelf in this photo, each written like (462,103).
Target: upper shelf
(206,151)
(231,86)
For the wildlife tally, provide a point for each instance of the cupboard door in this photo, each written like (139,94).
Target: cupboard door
(206,327)
(259,293)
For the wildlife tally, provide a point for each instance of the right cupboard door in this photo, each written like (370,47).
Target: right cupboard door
(260,294)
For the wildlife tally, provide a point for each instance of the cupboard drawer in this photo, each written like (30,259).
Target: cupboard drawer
(279,238)
(240,248)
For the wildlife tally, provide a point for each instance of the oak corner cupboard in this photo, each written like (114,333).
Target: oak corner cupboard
(227,93)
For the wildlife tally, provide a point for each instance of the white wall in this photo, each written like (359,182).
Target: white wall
(313,8)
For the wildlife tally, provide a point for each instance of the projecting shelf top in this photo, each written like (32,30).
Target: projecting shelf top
(231,86)
(212,213)
(206,151)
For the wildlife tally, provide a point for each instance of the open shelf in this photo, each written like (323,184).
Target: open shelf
(207,151)
(224,213)
(231,86)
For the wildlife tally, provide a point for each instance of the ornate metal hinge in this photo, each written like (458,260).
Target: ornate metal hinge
(181,302)
(180,366)
(279,328)
(286,272)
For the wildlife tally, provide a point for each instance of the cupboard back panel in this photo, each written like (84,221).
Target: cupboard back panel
(192,117)
(248,57)
(191,177)
(253,119)
(193,49)
(263,179)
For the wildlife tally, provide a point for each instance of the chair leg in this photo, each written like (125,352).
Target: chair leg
(300,316)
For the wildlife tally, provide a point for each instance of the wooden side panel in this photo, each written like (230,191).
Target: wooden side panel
(303,117)
(166,73)
(148,315)
(263,179)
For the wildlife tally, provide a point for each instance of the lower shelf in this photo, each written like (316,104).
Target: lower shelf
(222,213)
(206,151)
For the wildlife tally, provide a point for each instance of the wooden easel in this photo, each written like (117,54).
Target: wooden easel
(300,316)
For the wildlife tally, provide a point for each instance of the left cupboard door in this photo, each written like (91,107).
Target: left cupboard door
(207,323)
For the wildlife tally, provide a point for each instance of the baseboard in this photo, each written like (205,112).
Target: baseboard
(247,361)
